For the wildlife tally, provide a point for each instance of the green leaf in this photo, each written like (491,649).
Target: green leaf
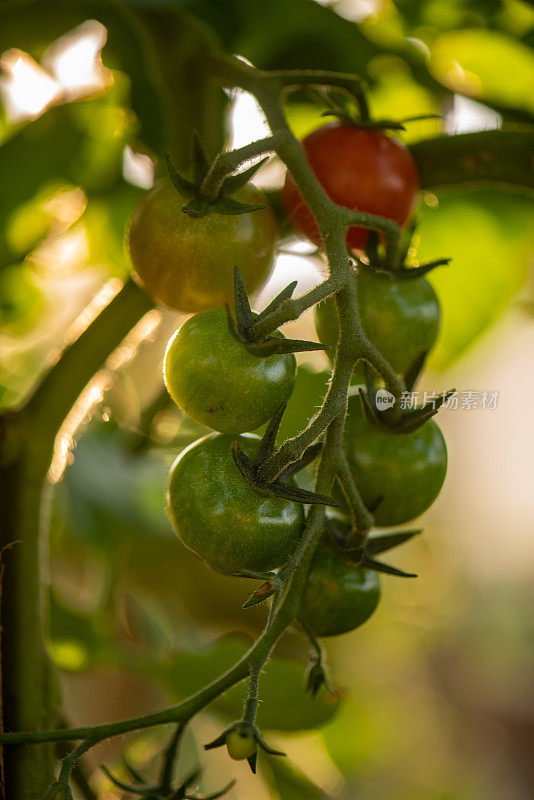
(490,239)
(497,157)
(290,783)
(79,144)
(162,49)
(487,65)
(285,704)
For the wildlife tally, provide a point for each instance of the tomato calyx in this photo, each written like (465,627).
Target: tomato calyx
(199,204)
(242,324)
(406,420)
(375,261)
(242,740)
(142,788)
(364,555)
(352,108)
(283,486)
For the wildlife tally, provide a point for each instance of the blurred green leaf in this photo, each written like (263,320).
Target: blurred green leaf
(490,238)
(284,703)
(20,300)
(159,46)
(111,494)
(500,157)
(485,65)
(78,144)
(290,783)
(76,640)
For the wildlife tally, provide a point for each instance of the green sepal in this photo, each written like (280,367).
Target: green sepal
(315,678)
(277,488)
(197,208)
(268,440)
(234,182)
(413,420)
(285,294)
(275,346)
(143,789)
(219,741)
(228,206)
(414,371)
(370,412)
(379,566)
(298,495)
(200,164)
(267,747)
(134,774)
(212,796)
(387,541)
(272,583)
(184,187)
(244,315)
(310,455)
(265,591)
(362,554)
(409,273)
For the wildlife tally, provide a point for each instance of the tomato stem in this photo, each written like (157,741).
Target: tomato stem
(333,221)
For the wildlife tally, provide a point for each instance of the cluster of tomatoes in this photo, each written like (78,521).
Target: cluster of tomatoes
(188,264)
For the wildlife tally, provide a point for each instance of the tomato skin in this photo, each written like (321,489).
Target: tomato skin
(213,378)
(406,469)
(217,514)
(188,263)
(359,169)
(401,317)
(339,596)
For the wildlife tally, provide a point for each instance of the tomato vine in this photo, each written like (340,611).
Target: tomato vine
(288,586)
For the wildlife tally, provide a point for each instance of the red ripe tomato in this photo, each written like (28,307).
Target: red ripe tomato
(360,169)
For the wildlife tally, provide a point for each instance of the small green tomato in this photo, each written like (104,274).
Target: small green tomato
(240,743)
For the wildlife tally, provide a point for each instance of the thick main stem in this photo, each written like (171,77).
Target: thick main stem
(30,692)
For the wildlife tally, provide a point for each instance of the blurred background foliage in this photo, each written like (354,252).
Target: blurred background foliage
(438,695)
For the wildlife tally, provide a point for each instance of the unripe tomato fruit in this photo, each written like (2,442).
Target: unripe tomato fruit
(406,470)
(360,169)
(213,378)
(339,596)
(220,517)
(401,317)
(187,263)
(240,744)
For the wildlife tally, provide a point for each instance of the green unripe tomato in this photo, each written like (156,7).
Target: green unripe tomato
(187,263)
(339,596)
(220,517)
(406,470)
(213,378)
(240,743)
(401,317)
